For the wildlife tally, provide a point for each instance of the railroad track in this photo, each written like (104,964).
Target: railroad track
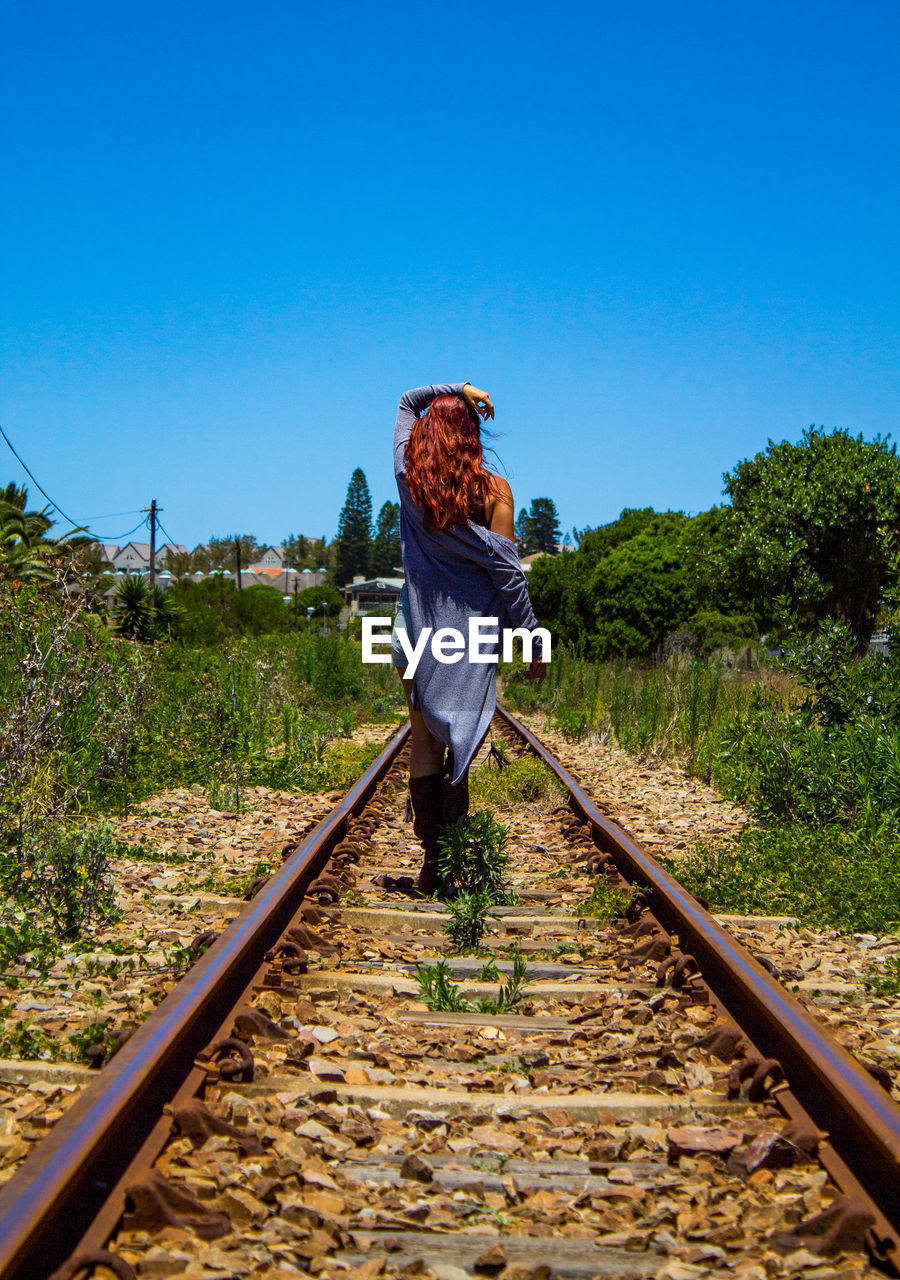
(291,1108)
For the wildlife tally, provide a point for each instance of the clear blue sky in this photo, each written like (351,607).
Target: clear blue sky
(657,233)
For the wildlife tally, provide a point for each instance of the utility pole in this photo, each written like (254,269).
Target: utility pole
(237,555)
(153,510)
(296,588)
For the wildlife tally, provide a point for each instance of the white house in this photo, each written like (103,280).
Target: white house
(271,558)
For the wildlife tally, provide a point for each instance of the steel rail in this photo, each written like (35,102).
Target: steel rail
(842,1098)
(49,1204)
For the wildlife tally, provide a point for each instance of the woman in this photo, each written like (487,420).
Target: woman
(460,562)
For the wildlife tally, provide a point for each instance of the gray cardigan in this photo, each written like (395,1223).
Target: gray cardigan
(452,575)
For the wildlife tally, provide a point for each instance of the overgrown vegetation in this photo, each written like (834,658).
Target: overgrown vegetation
(680,707)
(816,521)
(91,723)
(473,858)
(472,863)
(606,901)
(442,995)
(525,780)
(810,748)
(884,979)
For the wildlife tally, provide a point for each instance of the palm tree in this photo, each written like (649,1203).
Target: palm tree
(132,614)
(144,613)
(24,551)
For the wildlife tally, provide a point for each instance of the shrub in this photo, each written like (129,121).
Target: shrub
(66,874)
(473,856)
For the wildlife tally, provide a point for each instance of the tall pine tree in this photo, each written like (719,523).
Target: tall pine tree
(353,552)
(544,521)
(524,533)
(386,547)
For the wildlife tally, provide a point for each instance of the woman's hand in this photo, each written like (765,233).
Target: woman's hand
(537,671)
(479,401)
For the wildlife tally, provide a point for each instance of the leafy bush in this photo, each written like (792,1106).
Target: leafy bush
(468,919)
(473,857)
(63,874)
(606,902)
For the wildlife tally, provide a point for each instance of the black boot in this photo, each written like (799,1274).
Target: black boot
(426,795)
(454,800)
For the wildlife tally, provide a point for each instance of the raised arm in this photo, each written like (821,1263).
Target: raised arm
(412,403)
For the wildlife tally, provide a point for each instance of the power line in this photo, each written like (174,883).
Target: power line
(37,484)
(76,524)
(172,541)
(111,514)
(117,537)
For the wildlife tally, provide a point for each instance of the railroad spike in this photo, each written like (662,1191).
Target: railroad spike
(250,1023)
(724,1042)
(158,1203)
(292,957)
(761,1073)
(197,1123)
(86,1262)
(879,1073)
(844,1225)
(312,941)
(202,941)
(230,1059)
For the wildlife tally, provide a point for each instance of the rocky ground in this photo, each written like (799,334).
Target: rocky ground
(655,800)
(190,868)
(380,1138)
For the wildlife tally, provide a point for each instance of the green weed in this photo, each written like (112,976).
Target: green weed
(884,979)
(441,993)
(468,919)
(606,902)
(829,876)
(525,780)
(473,857)
(438,989)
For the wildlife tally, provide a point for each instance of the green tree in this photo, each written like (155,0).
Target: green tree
(386,546)
(141,612)
(354,538)
(25,551)
(544,523)
(221,553)
(324,602)
(817,522)
(633,583)
(524,533)
(212,610)
(296,551)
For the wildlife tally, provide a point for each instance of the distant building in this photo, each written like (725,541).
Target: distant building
(372,595)
(527,561)
(880,642)
(271,560)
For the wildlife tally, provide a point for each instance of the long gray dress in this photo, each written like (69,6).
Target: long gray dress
(452,575)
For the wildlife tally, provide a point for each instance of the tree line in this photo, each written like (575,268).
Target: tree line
(810,533)
(371,551)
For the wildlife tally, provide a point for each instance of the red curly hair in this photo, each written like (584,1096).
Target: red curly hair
(444,463)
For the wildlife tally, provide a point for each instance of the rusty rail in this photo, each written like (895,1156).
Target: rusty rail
(67,1184)
(836,1091)
(51,1202)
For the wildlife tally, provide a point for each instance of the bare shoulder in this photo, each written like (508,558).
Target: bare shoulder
(500,489)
